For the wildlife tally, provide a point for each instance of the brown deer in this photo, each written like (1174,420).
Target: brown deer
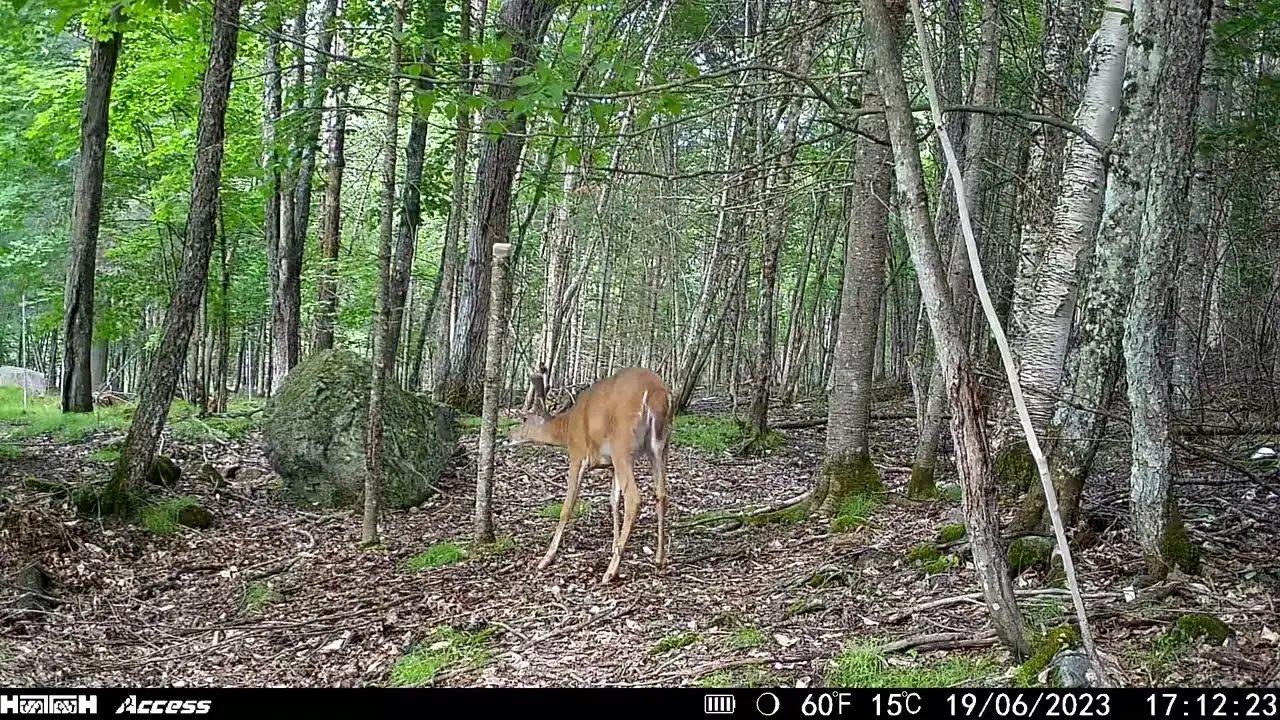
(615,421)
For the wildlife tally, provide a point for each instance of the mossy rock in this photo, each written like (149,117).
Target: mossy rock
(1044,648)
(164,472)
(951,533)
(315,436)
(1192,628)
(924,552)
(194,516)
(1030,552)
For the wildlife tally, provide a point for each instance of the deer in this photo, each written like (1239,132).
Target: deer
(614,422)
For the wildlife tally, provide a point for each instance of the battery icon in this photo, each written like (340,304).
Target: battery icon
(718,704)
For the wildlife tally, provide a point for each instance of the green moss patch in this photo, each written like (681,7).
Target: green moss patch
(864,666)
(951,533)
(166,517)
(1043,649)
(674,642)
(438,555)
(1015,467)
(443,649)
(854,512)
(1189,629)
(709,433)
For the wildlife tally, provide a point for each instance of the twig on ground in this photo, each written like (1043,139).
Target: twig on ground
(942,641)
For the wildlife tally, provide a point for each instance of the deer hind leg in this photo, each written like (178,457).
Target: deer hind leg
(577,468)
(659,460)
(624,483)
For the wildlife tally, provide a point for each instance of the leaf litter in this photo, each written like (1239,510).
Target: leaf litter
(277,596)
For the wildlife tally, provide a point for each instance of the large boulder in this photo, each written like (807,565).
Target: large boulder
(315,427)
(34,382)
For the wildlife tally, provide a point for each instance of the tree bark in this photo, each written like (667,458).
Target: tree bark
(271,161)
(77,326)
(1166,57)
(1055,89)
(157,387)
(847,465)
(523,23)
(286,346)
(373,425)
(331,223)
(1049,304)
(1088,370)
(483,531)
(1199,241)
(977,133)
(967,425)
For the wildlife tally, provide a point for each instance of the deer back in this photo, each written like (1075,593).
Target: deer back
(625,413)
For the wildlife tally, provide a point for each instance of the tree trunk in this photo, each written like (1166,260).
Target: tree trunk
(1055,89)
(331,223)
(156,392)
(524,23)
(1048,307)
(77,326)
(847,465)
(483,531)
(286,344)
(1166,57)
(967,425)
(1199,242)
(382,326)
(977,133)
(1087,373)
(271,161)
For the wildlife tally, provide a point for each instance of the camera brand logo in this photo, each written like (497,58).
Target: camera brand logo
(134,706)
(48,704)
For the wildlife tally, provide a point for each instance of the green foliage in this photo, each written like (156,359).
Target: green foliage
(707,433)
(748,636)
(553,510)
(1044,647)
(161,518)
(865,666)
(445,648)
(10,452)
(855,512)
(674,642)
(43,416)
(437,555)
(257,595)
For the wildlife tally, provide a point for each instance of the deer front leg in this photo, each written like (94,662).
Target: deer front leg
(626,481)
(576,470)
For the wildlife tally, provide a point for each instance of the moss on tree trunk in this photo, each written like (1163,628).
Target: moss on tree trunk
(922,485)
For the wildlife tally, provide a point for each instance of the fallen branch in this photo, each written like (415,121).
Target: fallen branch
(942,641)
(977,597)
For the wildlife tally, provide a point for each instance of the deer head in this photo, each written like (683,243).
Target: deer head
(533,427)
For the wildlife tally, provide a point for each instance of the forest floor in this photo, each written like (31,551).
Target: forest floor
(274,595)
